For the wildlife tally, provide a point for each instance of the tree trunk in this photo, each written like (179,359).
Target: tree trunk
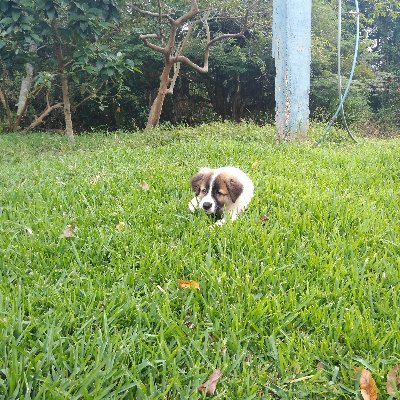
(64,84)
(26,85)
(156,108)
(67,108)
(4,101)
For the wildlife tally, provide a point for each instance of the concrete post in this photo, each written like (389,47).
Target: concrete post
(291,49)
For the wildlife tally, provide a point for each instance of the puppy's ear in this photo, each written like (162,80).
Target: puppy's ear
(196,181)
(235,188)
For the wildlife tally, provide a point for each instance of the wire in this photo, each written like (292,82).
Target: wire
(339,72)
(342,97)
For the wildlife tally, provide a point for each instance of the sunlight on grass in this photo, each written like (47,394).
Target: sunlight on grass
(304,287)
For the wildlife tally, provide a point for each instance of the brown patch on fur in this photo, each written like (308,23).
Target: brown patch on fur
(226,188)
(201,181)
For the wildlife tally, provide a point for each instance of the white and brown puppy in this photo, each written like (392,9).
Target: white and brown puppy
(223,191)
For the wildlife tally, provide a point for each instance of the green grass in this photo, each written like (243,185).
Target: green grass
(287,306)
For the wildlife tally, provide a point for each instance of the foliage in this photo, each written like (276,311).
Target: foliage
(29,35)
(114,78)
(293,295)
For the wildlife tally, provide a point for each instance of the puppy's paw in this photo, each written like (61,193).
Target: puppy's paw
(219,222)
(193,204)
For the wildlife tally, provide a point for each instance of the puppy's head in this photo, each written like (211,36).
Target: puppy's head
(216,191)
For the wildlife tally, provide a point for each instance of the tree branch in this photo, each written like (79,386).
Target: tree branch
(177,67)
(152,46)
(153,14)
(210,42)
(194,10)
(38,120)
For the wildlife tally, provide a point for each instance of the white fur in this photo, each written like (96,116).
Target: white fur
(234,209)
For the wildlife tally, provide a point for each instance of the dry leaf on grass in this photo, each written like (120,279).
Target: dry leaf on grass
(144,185)
(69,231)
(120,226)
(211,384)
(368,387)
(393,381)
(189,284)
(255,164)
(264,218)
(28,231)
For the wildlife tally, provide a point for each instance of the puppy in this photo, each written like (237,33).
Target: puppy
(223,191)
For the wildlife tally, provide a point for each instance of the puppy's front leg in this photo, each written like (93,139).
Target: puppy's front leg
(193,204)
(220,222)
(232,215)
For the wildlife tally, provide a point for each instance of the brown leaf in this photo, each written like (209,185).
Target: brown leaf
(264,218)
(368,387)
(320,366)
(69,231)
(393,381)
(211,384)
(189,284)
(144,185)
(120,226)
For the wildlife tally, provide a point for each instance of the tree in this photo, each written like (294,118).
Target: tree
(173,46)
(53,28)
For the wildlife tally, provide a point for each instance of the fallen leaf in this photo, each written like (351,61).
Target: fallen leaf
(255,164)
(144,185)
(264,218)
(368,387)
(120,226)
(320,366)
(211,384)
(189,284)
(393,381)
(69,231)
(28,231)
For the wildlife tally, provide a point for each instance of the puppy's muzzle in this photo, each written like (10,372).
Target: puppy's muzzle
(207,206)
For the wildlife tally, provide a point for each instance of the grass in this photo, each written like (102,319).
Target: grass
(287,306)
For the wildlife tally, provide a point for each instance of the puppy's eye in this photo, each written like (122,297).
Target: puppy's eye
(220,194)
(204,191)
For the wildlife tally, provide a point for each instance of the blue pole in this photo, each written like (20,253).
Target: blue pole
(291,50)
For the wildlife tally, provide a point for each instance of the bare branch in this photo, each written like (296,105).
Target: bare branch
(153,14)
(152,46)
(38,120)
(185,41)
(90,96)
(177,67)
(194,10)
(210,42)
(161,31)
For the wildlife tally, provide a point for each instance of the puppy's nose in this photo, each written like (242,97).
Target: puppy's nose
(207,205)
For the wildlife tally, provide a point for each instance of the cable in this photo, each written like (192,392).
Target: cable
(339,72)
(343,97)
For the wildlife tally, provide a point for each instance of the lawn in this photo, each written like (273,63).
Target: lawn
(293,296)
